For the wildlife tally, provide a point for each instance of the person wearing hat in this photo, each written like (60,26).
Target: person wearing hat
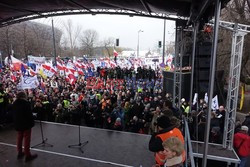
(246,122)
(164,132)
(242,145)
(23,122)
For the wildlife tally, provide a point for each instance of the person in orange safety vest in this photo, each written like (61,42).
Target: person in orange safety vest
(164,132)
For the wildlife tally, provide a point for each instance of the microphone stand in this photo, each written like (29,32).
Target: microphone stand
(80,145)
(44,140)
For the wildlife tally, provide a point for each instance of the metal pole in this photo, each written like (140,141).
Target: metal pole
(54,41)
(138,45)
(1,58)
(180,71)
(196,25)
(175,62)
(164,32)
(211,79)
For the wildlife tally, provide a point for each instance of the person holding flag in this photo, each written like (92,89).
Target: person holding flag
(115,56)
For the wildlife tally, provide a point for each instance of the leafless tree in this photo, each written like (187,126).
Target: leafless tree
(237,11)
(71,35)
(88,40)
(28,38)
(108,45)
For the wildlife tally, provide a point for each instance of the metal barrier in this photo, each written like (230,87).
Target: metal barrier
(188,146)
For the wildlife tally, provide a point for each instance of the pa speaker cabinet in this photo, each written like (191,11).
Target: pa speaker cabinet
(168,83)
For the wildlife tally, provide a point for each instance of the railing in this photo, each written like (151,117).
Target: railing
(188,146)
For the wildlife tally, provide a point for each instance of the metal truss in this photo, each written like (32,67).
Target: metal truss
(239,32)
(178,66)
(93,12)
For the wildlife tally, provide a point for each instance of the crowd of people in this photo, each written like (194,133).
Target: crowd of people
(110,98)
(118,99)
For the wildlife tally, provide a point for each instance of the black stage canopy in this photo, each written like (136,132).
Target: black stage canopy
(14,11)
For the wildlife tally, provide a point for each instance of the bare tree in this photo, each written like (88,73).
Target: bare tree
(108,45)
(71,35)
(5,40)
(237,11)
(88,40)
(28,38)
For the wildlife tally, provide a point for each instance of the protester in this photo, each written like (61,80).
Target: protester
(23,122)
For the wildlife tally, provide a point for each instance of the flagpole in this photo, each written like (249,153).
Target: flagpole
(54,41)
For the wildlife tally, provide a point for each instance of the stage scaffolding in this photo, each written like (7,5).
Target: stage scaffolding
(239,32)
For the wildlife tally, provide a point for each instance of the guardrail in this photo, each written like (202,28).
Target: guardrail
(188,146)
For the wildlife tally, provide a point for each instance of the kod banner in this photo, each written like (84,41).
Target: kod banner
(36,60)
(28,83)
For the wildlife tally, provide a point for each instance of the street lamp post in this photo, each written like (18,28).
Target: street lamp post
(138,44)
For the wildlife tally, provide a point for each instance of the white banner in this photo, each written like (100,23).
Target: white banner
(36,60)
(48,73)
(215,103)
(28,82)
(195,98)
(206,98)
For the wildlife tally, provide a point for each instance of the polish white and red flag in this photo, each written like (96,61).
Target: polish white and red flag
(112,64)
(78,64)
(60,66)
(13,77)
(70,66)
(53,69)
(70,77)
(16,64)
(47,70)
(115,53)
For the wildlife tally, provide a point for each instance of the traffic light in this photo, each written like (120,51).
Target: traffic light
(117,42)
(159,44)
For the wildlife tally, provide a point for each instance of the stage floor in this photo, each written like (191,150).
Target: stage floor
(215,152)
(106,148)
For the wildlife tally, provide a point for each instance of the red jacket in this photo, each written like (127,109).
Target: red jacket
(244,149)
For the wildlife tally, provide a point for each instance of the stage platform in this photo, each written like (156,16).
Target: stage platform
(215,152)
(106,148)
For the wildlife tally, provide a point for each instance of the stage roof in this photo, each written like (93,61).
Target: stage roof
(14,11)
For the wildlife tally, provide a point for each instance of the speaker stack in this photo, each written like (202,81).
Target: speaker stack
(202,72)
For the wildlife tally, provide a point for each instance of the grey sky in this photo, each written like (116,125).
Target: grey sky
(123,27)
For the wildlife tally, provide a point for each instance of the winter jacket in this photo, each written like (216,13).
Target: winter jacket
(22,115)
(243,149)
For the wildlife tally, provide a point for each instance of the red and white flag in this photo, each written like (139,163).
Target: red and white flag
(115,53)
(13,77)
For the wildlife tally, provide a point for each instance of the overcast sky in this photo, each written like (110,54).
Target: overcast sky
(123,27)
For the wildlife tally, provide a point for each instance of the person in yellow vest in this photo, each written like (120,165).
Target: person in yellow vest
(184,107)
(165,131)
(66,103)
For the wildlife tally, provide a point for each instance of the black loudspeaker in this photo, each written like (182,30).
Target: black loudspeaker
(202,68)
(186,60)
(168,84)
(202,72)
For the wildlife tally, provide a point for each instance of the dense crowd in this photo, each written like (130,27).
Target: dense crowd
(111,98)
